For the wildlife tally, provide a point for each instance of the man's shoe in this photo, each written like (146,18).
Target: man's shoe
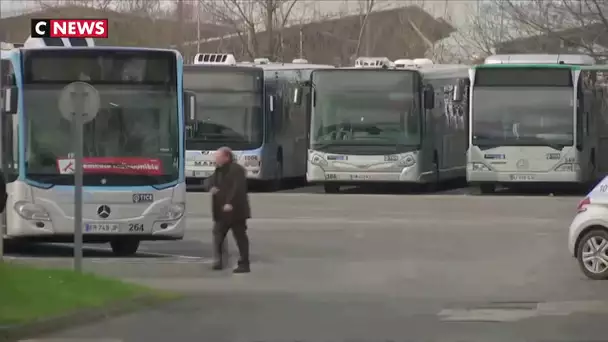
(217,266)
(242,269)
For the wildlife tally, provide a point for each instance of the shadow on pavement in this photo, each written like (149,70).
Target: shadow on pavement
(51,250)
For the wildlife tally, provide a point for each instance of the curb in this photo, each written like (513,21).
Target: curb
(80,317)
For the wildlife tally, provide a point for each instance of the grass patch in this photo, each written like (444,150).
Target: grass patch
(28,293)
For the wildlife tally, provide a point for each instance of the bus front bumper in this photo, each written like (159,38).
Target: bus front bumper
(316,174)
(523,177)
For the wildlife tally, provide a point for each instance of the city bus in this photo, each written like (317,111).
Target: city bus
(254,108)
(384,122)
(537,120)
(134,186)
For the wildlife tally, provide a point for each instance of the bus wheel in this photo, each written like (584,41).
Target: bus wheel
(331,188)
(487,188)
(124,246)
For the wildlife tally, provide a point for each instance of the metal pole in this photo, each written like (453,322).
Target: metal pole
(198,26)
(78,155)
(4,174)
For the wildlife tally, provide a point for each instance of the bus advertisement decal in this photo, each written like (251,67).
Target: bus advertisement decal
(113,165)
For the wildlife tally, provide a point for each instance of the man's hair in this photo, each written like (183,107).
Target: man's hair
(227,152)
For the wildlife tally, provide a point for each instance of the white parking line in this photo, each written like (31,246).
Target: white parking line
(140,254)
(73,340)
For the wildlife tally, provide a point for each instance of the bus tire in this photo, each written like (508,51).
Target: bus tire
(124,246)
(277,183)
(487,188)
(331,188)
(433,185)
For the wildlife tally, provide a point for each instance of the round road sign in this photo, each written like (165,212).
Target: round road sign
(79,98)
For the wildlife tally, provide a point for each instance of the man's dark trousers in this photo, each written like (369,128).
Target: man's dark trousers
(239,231)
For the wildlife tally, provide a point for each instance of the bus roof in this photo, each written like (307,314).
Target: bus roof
(101,48)
(531,65)
(445,70)
(222,67)
(541,59)
(293,66)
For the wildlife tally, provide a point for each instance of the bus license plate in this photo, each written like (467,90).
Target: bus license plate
(359,176)
(522,178)
(101,228)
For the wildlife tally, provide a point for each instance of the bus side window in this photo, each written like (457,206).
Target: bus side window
(9,127)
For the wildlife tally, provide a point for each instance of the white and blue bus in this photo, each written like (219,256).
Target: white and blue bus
(256,109)
(134,186)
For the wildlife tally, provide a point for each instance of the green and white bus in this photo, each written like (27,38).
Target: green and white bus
(385,122)
(537,119)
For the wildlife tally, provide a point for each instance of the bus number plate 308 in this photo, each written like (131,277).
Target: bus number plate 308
(522,178)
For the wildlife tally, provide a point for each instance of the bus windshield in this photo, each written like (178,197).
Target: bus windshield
(365,107)
(134,137)
(229,108)
(508,110)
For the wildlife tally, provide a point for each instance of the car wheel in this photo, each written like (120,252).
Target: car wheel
(592,254)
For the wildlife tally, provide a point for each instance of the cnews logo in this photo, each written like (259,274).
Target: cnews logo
(69,28)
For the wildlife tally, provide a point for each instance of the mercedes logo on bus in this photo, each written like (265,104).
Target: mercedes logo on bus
(522,164)
(103,211)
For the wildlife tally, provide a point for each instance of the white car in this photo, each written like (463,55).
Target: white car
(588,235)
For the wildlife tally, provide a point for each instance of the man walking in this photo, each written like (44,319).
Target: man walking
(230,208)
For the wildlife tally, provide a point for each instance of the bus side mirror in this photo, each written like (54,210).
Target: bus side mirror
(458,92)
(297,96)
(271,103)
(429,97)
(10,100)
(189,106)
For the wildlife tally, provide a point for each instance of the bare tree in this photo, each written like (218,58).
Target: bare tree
(572,25)
(132,22)
(98,4)
(487,26)
(365,8)
(252,19)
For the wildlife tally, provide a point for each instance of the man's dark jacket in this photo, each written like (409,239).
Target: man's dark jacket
(231,180)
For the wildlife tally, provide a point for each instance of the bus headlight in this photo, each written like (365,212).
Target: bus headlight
(318,160)
(31,211)
(479,167)
(173,211)
(567,168)
(407,161)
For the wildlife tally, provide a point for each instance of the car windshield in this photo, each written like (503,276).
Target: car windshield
(229,109)
(134,136)
(383,110)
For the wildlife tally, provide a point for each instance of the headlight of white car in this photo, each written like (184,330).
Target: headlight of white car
(407,161)
(173,211)
(318,160)
(31,211)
